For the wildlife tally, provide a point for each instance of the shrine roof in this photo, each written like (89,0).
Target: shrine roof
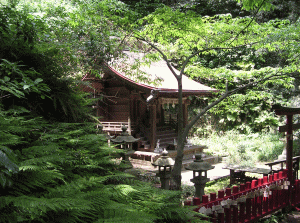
(155,76)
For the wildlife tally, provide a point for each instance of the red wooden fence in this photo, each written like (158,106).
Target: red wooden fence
(250,201)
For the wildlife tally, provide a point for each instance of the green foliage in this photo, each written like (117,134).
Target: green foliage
(33,66)
(119,12)
(256,4)
(64,172)
(15,82)
(8,166)
(244,149)
(238,51)
(214,186)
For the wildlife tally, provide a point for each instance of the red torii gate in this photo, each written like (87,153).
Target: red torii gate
(288,128)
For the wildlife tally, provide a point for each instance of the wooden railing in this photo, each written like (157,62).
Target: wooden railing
(117,126)
(250,201)
(113,126)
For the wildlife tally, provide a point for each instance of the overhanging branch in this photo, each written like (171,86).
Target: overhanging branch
(225,95)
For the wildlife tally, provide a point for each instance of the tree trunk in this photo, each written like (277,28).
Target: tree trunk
(176,173)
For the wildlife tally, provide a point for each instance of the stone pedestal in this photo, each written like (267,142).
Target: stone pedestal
(200,182)
(164,180)
(126,157)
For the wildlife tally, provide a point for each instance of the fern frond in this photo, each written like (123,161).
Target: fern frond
(116,212)
(43,150)
(56,159)
(74,187)
(7,158)
(40,208)
(8,139)
(35,181)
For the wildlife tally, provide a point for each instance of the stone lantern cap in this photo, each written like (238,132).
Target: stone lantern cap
(125,137)
(199,164)
(164,160)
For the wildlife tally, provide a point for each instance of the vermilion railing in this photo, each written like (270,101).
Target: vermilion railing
(250,201)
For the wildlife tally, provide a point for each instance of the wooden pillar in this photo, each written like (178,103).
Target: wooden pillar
(162,115)
(152,126)
(133,107)
(159,113)
(289,147)
(129,126)
(98,109)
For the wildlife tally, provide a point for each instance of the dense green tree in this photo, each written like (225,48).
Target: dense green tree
(230,52)
(54,165)
(186,37)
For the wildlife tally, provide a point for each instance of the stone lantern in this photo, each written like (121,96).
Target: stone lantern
(126,141)
(165,164)
(199,169)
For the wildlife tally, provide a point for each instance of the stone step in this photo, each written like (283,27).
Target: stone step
(167,139)
(164,128)
(194,149)
(166,133)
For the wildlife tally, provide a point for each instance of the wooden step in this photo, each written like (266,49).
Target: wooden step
(166,136)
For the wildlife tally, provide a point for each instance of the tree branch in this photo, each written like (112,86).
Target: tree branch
(248,23)
(189,57)
(163,55)
(225,95)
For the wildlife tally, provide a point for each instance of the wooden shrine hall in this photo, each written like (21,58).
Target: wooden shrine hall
(146,105)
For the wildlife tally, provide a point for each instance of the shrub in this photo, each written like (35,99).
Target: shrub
(244,149)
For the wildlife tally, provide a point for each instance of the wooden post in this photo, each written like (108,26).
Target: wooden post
(162,114)
(275,198)
(248,208)
(235,214)
(296,198)
(152,126)
(221,217)
(289,145)
(134,107)
(227,214)
(129,125)
(259,205)
(242,212)
(265,204)
(271,200)
(288,128)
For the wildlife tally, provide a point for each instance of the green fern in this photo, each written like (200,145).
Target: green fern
(66,173)
(8,166)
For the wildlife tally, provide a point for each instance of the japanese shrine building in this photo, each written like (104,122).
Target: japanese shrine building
(141,104)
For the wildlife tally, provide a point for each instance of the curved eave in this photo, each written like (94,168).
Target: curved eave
(162,91)
(187,92)
(128,81)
